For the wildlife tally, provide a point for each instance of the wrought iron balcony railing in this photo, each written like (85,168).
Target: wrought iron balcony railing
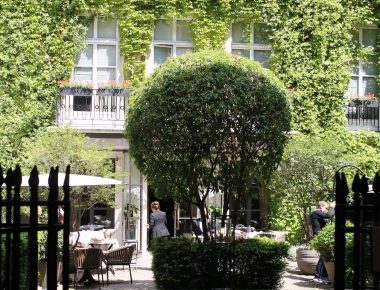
(363,115)
(92,109)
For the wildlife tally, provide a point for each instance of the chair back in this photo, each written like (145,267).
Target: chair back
(120,256)
(87,258)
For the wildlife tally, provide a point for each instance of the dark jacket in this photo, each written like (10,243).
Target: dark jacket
(319,219)
(157,223)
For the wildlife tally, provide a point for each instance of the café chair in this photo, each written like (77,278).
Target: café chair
(88,259)
(120,256)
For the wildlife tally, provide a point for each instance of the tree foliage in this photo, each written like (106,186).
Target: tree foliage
(304,177)
(210,121)
(61,147)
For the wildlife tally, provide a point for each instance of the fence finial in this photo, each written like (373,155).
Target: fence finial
(17,176)
(356,183)
(53,177)
(34,179)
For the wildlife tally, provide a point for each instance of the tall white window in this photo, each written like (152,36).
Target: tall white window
(251,40)
(99,61)
(364,72)
(171,38)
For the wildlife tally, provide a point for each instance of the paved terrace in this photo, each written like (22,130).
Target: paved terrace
(143,277)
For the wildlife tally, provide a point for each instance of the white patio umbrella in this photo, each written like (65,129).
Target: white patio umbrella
(75,180)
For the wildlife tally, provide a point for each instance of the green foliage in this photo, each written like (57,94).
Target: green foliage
(61,147)
(313,55)
(182,264)
(362,149)
(38,44)
(303,178)
(209,120)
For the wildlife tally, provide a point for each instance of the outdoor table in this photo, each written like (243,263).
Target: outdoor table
(103,245)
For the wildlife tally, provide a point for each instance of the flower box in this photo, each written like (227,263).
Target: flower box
(113,92)
(75,91)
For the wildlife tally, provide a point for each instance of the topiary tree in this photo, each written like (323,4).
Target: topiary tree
(206,122)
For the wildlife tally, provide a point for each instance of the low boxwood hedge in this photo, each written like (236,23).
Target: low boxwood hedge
(179,263)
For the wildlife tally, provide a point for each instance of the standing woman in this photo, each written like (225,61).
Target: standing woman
(157,221)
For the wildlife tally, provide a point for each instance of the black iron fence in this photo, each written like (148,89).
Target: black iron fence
(19,237)
(362,211)
(363,115)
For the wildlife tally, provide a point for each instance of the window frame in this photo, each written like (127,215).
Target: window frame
(95,42)
(173,44)
(361,73)
(249,46)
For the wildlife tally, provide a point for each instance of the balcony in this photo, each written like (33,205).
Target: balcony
(92,110)
(363,115)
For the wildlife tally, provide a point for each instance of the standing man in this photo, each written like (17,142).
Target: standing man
(319,218)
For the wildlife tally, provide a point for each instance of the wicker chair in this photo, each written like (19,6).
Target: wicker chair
(119,256)
(87,259)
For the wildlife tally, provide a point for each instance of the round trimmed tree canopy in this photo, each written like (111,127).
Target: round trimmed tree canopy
(207,113)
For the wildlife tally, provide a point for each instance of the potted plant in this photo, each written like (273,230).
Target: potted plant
(77,88)
(113,88)
(307,259)
(131,210)
(324,243)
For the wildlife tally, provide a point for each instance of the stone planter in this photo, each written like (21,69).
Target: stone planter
(307,260)
(330,268)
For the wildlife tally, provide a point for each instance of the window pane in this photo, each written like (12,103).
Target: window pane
(106,74)
(107,28)
(355,68)
(82,103)
(183,50)
(355,37)
(241,52)
(85,57)
(370,37)
(262,56)
(369,86)
(183,30)
(106,55)
(82,74)
(369,68)
(260,32)
(353,87)
(90,30)
(240,32)
(163,30)
(161,54)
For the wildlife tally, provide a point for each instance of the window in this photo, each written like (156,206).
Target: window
(251,41)
(364,72)
(99,62)
(171,38)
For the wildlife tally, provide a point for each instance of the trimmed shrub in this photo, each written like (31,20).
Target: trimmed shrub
(179,263)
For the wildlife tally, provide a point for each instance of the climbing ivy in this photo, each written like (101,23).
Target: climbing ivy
(38,44)
(310,39)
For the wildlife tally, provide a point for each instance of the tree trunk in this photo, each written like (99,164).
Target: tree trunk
(263,197)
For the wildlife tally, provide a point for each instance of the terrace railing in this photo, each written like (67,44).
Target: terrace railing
(363,115)
(92,109)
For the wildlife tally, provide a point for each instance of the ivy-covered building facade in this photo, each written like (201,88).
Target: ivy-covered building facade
(326,52)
